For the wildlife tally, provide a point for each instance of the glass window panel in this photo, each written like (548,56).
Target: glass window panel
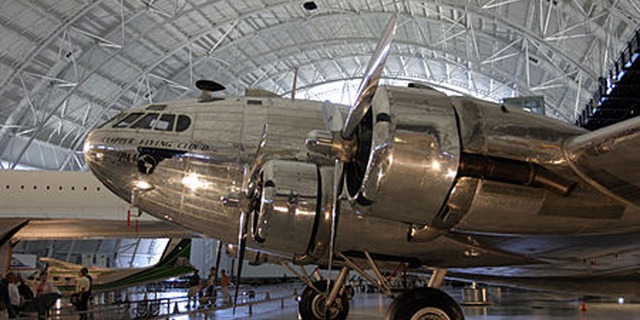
(183,123)
(128,120)
(165,123)
(145,122)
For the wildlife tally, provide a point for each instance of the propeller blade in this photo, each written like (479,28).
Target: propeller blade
(242,245)
(332,117)
(370,81)
(338,176)
(218,255)
(258,161)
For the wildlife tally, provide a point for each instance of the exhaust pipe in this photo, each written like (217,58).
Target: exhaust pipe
(513,171)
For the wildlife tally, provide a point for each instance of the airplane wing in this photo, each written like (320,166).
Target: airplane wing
(63,266)
(72,205)
(607,159)
(9,227)
(174,263)
(66,229)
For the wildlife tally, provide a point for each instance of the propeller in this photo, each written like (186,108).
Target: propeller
(342,142)
(218,255)
(369,83)
(250,185)
(242,245)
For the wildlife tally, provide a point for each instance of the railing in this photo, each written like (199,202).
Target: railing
(160,308)
(607,83)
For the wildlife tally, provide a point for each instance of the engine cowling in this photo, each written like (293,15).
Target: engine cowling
(406,161)
(289,201)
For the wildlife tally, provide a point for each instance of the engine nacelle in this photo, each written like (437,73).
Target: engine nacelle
(288,204)
(406,161)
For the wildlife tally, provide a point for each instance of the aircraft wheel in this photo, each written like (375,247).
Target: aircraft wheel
(424,304)
(312,304)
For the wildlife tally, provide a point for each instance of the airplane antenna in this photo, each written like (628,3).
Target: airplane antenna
(208,87)
(295,81)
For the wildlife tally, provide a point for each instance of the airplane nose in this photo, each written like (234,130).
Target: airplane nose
(110,161)
(99,153)
(91,150)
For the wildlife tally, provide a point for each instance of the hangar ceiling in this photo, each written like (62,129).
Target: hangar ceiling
(68,65)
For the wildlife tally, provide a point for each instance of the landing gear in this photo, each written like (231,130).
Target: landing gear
(312,303)
(424,304)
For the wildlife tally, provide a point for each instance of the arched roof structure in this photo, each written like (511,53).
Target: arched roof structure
(68,65)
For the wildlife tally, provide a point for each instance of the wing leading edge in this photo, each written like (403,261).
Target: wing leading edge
(607,159)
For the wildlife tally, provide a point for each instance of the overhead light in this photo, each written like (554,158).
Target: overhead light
(142,185)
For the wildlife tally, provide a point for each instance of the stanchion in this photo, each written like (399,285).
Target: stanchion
(176,310)
(267,296)
(282,303)
(250,308)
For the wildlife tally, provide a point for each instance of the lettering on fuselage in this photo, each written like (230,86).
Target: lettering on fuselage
(127,157)
(157,143)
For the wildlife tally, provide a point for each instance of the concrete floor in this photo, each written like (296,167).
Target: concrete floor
(509,305)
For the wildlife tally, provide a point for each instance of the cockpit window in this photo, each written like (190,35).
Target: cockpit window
(165,123)
(183,123)
(145,122)
(113,120)
(128,120)
(157,107)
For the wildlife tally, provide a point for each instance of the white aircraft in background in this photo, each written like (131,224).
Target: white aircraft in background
(174,262)
(450,185)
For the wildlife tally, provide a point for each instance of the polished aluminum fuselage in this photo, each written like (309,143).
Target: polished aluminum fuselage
(219,148)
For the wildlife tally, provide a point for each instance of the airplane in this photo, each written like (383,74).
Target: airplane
(173,263)
(448,185)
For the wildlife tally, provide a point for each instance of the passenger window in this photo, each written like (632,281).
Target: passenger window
(183,123)
(165,123)
(145,122)
(128,120)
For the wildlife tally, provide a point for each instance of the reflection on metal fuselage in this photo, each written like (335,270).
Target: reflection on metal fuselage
(193,169)
(181,176)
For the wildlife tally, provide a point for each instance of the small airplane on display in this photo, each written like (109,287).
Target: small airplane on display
(453,186)
(173,263)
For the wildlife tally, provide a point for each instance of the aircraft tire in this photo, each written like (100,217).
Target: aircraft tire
(311,305)
(424,303)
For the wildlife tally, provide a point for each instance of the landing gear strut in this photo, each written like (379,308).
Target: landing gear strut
(313,303)
(428,303)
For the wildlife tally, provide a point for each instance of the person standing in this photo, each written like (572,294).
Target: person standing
(5,303)
(14,295)
(224,285)
(46,296)
(83,292)
(211,281)
(194,285)
(25,291)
